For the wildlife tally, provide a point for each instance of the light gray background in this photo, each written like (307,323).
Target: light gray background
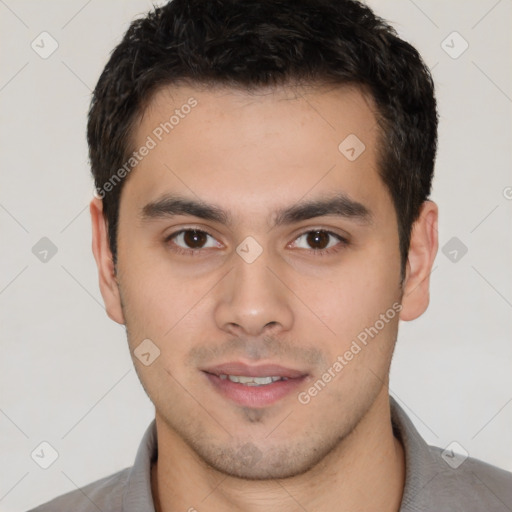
(66,375)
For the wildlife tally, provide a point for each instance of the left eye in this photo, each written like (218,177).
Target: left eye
(317,240)
(193,239)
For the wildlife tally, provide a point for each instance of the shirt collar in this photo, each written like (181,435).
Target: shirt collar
(137,496)
(420,464)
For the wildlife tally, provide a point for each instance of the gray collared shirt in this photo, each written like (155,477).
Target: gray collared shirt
(434,482)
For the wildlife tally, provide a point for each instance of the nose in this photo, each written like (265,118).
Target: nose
(253,300)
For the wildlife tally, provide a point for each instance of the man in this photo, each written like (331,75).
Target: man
(262,222)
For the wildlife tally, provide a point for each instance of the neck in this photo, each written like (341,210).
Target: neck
(365,472)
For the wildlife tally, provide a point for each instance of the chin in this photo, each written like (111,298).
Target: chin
(252,462)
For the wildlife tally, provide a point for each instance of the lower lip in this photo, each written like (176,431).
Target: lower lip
(254,396)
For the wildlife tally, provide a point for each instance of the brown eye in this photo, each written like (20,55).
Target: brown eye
(318,239)
(194,239)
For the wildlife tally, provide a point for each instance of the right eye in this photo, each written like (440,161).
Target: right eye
(187,241)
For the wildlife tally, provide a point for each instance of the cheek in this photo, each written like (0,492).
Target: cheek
(362,311)
(372,292)
(158,300)
(149,297)
(354,297)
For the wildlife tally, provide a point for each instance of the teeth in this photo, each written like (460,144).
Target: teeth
(251,381)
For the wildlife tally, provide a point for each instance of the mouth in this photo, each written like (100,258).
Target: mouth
(251,381)
(253,386)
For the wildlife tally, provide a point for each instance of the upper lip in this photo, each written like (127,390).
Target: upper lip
(264,370)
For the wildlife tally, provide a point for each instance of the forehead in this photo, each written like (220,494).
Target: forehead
(340,109)
(246,147)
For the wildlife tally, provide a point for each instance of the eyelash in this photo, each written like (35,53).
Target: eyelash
(343,242)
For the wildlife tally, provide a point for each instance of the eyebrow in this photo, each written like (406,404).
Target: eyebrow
(339,205)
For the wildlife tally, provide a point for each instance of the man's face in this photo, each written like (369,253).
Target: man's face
(285,302)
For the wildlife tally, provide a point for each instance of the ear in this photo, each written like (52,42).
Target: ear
(422,251)
(105,262)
